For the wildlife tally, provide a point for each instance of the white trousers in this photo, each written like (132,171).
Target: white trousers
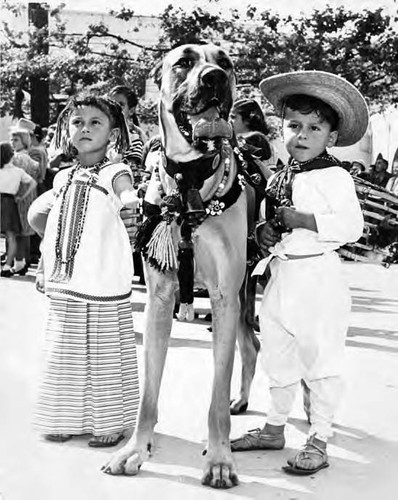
(304,319)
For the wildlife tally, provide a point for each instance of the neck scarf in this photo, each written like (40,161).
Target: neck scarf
(279,190)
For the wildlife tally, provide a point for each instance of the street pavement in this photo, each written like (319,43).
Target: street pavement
(363,452)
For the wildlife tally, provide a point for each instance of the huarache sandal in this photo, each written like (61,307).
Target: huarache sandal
(310,452)
(255,439)
(105,441)
(58,438)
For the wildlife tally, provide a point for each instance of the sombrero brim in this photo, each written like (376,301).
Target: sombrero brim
(341,95)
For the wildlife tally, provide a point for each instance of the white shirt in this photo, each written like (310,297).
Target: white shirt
(392,184)
(11,178)
(329,194)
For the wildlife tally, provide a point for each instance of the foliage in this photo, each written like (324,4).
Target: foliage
(73,63)
(360,46)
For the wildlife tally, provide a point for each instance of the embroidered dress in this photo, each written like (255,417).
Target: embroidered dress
(90,380)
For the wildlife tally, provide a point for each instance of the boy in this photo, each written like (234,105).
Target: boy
(305,308)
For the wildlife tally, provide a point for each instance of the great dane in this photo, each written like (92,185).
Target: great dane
(196,199)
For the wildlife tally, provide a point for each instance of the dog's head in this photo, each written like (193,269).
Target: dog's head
(197,89)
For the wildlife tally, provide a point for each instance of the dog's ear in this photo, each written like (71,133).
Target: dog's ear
(156,73)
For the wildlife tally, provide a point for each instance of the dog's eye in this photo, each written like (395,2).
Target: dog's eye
(224,64)
(184,62)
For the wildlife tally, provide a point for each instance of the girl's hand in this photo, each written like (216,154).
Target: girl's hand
(129,199)
(124,190)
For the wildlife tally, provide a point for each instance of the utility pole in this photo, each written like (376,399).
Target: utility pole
(39,85)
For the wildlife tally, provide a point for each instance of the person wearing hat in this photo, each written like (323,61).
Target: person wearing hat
(312,210)
(358,168)
(378,173)
(20,138)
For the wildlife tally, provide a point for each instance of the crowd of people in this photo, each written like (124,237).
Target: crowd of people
(78,189)
(376,174)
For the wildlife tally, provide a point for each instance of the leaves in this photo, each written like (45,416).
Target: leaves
(360,46)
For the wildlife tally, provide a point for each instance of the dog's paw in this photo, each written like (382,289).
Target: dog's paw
(238,406)
(126,461)
(220,475)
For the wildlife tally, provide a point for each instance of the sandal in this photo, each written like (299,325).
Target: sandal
(309,450)
(105,441)
(58,438)
(257,440)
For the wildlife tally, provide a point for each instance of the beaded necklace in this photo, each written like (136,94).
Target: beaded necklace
(71,228)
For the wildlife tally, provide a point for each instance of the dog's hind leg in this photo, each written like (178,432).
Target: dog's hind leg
(158,322)
(249,346)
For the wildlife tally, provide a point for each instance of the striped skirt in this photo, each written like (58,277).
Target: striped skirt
(90,378)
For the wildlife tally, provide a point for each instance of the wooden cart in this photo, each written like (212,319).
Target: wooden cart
(379,241)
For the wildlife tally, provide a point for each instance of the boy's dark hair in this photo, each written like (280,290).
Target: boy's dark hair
(6,153)
(306,104)
(252,114)
(111,108)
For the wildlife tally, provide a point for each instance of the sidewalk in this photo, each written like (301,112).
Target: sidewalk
(363,453)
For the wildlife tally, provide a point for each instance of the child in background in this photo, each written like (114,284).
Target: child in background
(306,304)
(20,138)
(251,129)
(133,157)
(90,382)
(12,178)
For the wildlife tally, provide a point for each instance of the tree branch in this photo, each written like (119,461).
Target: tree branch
(122,40)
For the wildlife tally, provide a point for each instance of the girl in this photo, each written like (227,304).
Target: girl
(133,157)
(21,142)
(90,382)
(251,128)
(128,101)
(11,179)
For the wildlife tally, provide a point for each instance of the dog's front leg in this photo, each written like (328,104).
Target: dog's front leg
(220,471)
(158,322)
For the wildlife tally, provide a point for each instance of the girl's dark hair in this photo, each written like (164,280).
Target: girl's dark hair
(6,153)
(111,108)
(130,95)
(251,114)
(306,104)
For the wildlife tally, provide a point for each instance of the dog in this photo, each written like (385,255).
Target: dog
(197,207)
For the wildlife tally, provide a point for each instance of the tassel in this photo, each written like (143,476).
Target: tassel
(160,248)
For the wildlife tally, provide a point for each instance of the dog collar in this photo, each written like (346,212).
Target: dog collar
(194,172)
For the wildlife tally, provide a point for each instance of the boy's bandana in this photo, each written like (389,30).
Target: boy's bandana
(279,190)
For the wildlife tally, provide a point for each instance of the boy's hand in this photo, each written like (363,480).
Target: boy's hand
(267,235)
(292,218)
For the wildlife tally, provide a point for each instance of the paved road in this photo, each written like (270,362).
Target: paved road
(363,453)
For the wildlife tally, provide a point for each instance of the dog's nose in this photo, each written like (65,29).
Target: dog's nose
(212,77)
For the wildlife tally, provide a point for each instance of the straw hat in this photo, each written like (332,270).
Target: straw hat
(23,125)
(341,95)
